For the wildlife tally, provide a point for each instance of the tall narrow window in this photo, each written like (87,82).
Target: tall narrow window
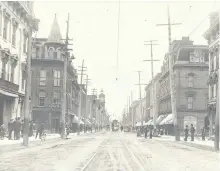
(42,96)
(190,80)
(56,75)
(51,53)
(12,72)
(25,43)
(190,102)
(37,52)
(58,54)
(43,76)
(5,28)
(56,98)
(14,30)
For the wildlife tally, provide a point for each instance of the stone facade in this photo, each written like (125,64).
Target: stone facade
(190,67)
(13,53)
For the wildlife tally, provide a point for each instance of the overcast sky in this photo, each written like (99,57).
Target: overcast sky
(94,29)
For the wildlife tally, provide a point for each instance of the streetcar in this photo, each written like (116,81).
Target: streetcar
(115,125)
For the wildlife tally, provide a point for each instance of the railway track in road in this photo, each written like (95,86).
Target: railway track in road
(114,155)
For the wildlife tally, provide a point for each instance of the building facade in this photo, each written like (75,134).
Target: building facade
(13,54)
(190,67)
(212,35)
(47,66)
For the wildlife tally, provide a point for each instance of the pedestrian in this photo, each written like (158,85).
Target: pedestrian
(186,131)
(10,128)
(22,127)
(2,131)
(40,130)
(145,132)
(121,128)
(17,128)
(192,131)
(31,128)
(151,132)
(203,133)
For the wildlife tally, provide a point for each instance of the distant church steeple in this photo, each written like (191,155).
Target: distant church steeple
(55,35)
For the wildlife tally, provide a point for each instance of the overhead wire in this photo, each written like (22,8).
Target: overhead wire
(118,39)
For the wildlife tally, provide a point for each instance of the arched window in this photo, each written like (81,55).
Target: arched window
(50,52)
(42,96)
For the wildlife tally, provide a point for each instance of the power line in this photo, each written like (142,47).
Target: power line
(119,4)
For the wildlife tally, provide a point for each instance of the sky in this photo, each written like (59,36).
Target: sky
(94,29)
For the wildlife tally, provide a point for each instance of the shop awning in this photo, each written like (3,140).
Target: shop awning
(8,94)
(160,119)
(75,119)
(81,122)
(150,122)
(168,120)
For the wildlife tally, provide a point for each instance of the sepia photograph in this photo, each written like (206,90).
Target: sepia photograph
(109,85)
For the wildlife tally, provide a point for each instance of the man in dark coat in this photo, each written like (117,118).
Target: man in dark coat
(40,130)
(17,128)
(186,131)
(31,128)
(192,131)
(10,128)
(145,132)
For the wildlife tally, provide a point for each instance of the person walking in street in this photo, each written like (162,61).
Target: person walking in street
(186,131)
(40,130)
(203,133)
(192,131)
(151,133)
(17,128)
(121,128)
(10,128)
(31,128)
(145,132)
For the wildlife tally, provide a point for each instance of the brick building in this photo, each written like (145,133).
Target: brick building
(47,81)
(190,67)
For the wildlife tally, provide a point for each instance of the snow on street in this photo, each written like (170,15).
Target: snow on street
(110,151)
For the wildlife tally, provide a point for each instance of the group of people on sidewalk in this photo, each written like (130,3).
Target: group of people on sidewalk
(192,132)
(16,129)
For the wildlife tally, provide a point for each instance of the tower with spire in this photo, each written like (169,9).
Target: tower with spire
(47,74)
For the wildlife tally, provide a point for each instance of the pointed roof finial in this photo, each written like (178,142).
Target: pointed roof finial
(55,35)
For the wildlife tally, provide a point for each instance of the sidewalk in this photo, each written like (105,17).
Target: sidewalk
(197,143)
(7,142)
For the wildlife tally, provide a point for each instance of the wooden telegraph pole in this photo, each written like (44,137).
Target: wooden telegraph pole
(152,60)
(139,84)
(32,26)
(171,76)
(66,60)
(80,95)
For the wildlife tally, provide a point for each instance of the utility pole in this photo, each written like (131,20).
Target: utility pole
(139,84)
(80,95)
(32,26)
(66,59)
(132,114)
(152,75)
(171,77)
(86,114)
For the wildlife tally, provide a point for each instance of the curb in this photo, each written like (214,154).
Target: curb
(190,144)
(199,146)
